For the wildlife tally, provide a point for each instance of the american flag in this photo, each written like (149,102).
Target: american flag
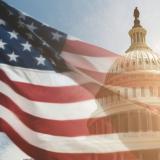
(48,87)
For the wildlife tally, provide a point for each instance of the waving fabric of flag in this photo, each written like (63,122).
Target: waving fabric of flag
(48,88)
(48,85)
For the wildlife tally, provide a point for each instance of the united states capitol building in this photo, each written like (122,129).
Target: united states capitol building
(132,101)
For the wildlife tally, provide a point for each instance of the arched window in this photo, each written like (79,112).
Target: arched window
(155,122)
(121,65)
(142,40)
(126,92)
(108,124)
(146,60)
(140,61)
(119,95)
(133,121)
(123,122)
(134,92)
(144,118)
(127,64)
(142,92)
(115,123)
(134,37)
(153,62)
(137,37)
(151,91)
(134,63)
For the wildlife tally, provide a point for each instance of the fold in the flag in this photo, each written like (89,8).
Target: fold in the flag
(52,88)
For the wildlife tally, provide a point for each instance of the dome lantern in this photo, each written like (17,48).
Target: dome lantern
(137,34)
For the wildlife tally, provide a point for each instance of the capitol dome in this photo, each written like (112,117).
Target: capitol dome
(137,59)
(129,103)
(138,56)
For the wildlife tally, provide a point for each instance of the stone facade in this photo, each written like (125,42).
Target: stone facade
(130,102)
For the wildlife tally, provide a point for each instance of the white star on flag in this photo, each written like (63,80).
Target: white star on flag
(2,44)
(13,57)
(31,27)
(56,36)
(2,22)
(22,17)
(10,13)
(45,44)
(40,60)
(13,34)
(21,24)
(26,46)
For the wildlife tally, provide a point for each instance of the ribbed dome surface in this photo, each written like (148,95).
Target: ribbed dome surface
(140,59)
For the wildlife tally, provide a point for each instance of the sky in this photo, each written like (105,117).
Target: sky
(101,22)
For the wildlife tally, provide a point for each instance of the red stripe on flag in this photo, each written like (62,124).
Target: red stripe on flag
(53,127)
(83,48)
(78,127)
(41,154)
(97,77)
(65,94)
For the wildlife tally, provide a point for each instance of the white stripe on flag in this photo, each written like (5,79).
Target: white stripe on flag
(83,144)
(56,111)
(97,64)
(68,111)
(43,78)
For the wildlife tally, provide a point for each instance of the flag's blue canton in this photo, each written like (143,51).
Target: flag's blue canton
(27,43)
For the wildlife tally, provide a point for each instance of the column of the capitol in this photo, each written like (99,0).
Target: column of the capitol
(132,120)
